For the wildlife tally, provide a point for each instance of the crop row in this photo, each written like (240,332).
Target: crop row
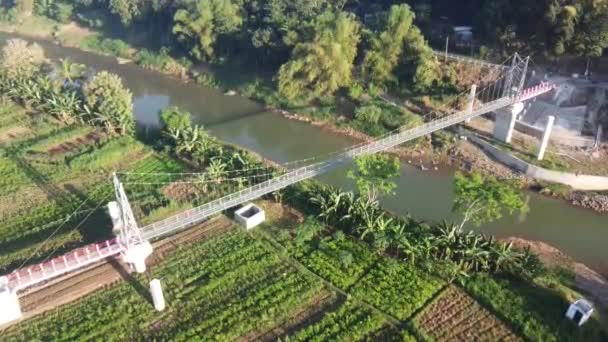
(350,322)
(533,311)
(218,289)
(25,231)
(396,288)
(456,316)
(341,261)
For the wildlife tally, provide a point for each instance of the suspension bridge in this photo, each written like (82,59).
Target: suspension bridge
(132,242)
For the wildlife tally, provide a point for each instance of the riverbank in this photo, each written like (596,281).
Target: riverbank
(585,279)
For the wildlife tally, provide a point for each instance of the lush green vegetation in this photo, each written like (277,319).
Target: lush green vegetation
(200,284)
(390,267)
(445,248)
(453,315)
(534,311)
(229,286)
(25,77)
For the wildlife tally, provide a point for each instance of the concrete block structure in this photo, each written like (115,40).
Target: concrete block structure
(505,122)
(580,311)
(10,309)
(156,290)
(250,216)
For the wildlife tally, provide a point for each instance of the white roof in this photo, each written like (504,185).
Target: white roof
(584,306)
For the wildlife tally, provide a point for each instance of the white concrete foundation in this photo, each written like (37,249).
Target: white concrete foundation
(136,256)
(10,309)
(158,298)
(505,122)
(580,312)
(546,137)
(115,215)
(250,216)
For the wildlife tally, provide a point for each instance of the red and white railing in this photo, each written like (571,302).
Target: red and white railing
(537,90)
(79,258)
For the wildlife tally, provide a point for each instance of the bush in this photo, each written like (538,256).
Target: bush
(355,91)
(113,47)
(369,114)
(9,15)
(207,79)
(174,119)
(62,12)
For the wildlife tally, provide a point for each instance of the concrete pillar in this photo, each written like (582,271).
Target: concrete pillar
(158,298)
(136,256)
(505,122)
(471,103)
(10,309)
(546,136)
(115,215)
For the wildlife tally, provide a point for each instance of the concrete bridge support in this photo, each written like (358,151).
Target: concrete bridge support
(10,309)
(545,142)
(136,255)
(471,104)
(505,122)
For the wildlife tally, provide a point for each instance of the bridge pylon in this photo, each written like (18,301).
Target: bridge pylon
(135,248)
(10,309)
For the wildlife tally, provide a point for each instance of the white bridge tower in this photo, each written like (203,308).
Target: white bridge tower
(135,248)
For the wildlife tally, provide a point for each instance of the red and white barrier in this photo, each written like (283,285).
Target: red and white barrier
(81,257)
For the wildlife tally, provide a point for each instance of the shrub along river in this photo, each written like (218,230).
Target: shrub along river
(580,233)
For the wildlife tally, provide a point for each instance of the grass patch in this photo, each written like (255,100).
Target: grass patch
(535,312)
(106,46)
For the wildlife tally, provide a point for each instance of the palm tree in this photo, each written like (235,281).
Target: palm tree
(70,71)
(189,140)
(409,248)
(503,253)
(65,107)
(216,170)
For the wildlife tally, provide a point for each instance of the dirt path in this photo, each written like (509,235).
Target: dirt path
(74,286)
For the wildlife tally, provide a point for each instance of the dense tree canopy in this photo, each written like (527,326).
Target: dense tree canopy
(555,27)
(110,102)
(200,22)
(20,59)
(387,45)
(315,47)
(324,63)
(374,174)
(484,199)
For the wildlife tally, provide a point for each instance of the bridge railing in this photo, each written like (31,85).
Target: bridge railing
(80,257)
(195,215)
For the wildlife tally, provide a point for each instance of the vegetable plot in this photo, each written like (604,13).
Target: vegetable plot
(454,316)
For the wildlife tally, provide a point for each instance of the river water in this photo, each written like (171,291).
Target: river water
(427,195)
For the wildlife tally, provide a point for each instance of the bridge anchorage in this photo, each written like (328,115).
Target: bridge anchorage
(501,91)
(129,244)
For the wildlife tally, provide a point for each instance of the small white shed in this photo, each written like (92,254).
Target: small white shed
(250,216)
(463,34)
(580,311)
